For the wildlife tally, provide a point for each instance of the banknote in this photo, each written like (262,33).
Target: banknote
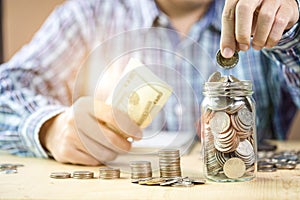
(140,93)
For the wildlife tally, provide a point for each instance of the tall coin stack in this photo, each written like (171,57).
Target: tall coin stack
(169,163)
(140,169)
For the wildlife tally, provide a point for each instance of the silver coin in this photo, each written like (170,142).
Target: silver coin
(272,169)
(227,63)
(215,77)
(220,122)
(83,174)
(60,175)
(233,79)
(9,171)
(245,116)
(169,182)
(183,184)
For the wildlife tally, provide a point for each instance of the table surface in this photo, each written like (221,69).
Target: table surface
(33,182)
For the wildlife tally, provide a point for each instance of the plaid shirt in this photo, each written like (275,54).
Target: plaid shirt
(46,75)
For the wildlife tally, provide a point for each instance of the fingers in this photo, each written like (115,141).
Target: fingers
(88,128)
(265,20)
(96,149)
(117,119)
(228,42)
(78,157)
(279,24)
(244,20)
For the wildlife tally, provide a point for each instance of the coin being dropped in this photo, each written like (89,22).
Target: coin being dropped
(227,63)
(234,168)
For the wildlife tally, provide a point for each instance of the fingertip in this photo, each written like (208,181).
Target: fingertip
(227,52)
(243,47)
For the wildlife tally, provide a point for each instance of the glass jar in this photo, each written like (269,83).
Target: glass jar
(228,131)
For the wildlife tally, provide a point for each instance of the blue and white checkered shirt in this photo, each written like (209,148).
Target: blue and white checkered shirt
(46,75)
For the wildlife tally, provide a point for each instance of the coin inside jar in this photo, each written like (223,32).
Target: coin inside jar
(234,168)
(227,63)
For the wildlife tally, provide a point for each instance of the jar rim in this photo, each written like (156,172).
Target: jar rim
(241,88)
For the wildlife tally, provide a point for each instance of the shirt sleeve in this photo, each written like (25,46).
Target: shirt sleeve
(287,54)
(34,84)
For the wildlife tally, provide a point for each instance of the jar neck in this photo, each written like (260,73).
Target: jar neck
(241,88)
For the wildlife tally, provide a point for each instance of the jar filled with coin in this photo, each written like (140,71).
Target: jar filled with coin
(228,129)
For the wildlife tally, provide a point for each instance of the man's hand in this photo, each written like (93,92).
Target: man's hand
(80,134)
(264,20)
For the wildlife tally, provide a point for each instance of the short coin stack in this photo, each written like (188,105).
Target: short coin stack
(109,173)
(140,169)
(60,175)
(169,163)
(83,174)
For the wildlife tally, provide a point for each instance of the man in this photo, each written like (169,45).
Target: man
(41,117)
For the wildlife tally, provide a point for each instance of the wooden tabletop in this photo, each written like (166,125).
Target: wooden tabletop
(33,182)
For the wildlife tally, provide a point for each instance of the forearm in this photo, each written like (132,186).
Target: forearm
(22,115)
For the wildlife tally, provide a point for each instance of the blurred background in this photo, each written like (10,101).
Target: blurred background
(20,19)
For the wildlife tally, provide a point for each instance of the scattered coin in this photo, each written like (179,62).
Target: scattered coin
(9,168)
(227,63)
(270,161)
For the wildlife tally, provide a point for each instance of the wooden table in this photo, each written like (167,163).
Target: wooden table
(33,182)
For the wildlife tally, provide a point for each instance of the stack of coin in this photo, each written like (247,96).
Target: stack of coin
(228,131)
(140,169)
(109,173)
(60,175)
(169,163)
(83,174)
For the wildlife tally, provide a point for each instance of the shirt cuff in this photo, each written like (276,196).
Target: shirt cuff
(31,126)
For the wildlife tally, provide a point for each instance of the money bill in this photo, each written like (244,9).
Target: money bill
(140,93)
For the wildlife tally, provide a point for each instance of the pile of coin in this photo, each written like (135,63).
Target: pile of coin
(169,163)
(228,131)
(271,161)
(109,173)
(8,168)
(140,169)
(174,182)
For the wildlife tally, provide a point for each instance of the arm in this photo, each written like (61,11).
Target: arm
(34,85)
(274,26)
(37,84)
